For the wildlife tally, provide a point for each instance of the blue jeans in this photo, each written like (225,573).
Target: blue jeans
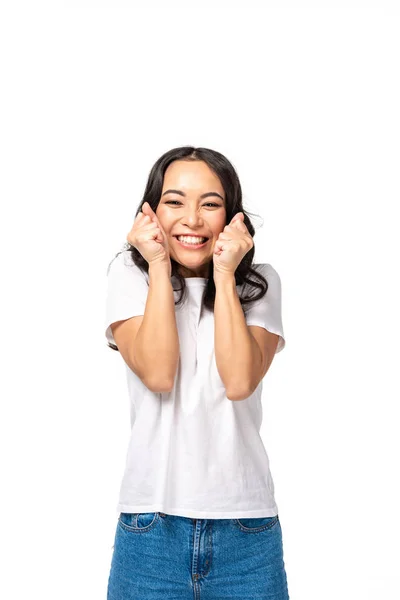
(167,557)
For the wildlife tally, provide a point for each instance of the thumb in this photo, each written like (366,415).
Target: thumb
(150,213)
(147,210)
(237,217)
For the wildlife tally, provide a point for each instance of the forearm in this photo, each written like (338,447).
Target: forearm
(157,341)
(236,351)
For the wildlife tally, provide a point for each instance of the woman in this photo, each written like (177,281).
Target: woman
(197,324)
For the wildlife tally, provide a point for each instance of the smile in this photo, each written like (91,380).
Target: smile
(191,246)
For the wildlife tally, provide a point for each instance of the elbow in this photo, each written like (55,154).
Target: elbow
(161,382)
(160,385)
(238,394)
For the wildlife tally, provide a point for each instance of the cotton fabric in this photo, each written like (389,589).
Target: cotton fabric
(193,452)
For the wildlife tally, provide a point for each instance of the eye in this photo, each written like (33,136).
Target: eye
(207,203)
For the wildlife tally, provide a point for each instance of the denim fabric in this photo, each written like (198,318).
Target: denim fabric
(158,556)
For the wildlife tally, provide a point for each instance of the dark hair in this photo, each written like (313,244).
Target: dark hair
(233,196)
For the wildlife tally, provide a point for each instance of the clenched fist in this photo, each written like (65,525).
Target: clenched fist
(149,238)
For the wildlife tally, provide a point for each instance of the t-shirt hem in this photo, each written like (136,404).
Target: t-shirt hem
(199,514)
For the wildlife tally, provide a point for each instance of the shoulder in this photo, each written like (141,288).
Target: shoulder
(265,268)
(271,275)
(268,271)
(123,264)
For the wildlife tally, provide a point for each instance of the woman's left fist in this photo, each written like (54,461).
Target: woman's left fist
(232,245)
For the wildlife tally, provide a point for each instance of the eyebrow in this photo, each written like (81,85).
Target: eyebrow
(206,195)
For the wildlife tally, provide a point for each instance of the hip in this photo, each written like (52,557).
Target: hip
(157,555)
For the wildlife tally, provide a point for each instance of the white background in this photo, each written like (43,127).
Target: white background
(304,100)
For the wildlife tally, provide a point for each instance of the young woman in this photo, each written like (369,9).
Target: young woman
(197,325)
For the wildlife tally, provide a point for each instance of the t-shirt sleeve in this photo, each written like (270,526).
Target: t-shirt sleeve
(127,289)
(267,311)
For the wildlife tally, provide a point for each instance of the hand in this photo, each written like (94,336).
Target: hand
(149,238)
(232,245)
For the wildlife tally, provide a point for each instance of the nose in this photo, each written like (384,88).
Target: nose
(192,218)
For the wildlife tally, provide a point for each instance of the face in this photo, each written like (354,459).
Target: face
(185,212)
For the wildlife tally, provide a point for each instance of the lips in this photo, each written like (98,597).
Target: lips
(191,246)
(191,235)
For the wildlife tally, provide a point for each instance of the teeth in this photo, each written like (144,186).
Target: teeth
(190,240)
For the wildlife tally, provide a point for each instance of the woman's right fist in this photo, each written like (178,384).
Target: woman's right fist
(148,237)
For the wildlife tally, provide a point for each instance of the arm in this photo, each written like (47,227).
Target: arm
(156,348)
(242,359)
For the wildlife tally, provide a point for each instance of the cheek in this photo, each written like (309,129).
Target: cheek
(218,226)
(219,229)
(160,214)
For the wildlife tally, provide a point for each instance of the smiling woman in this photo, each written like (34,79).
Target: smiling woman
(178,190)
(196,467)
(192,215)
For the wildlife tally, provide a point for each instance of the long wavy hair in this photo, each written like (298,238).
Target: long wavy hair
(245,275)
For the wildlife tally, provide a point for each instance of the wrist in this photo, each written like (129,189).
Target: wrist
(160,267)
(224,279)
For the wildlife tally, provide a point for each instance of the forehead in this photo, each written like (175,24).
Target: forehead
(192,175)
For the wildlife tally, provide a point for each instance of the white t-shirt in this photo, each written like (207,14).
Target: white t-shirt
(192,451)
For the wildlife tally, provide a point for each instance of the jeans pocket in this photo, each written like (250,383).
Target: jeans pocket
(138,522)
(256,524)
